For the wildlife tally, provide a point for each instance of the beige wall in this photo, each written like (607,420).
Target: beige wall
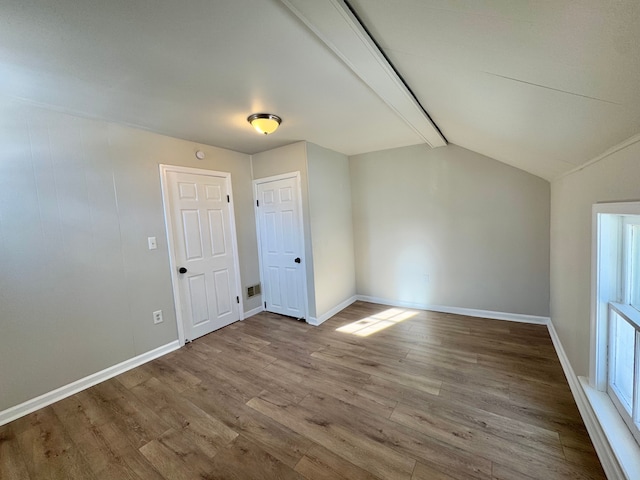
(615,178)
(78,199)
(478,228)
(331,228)
(287,159)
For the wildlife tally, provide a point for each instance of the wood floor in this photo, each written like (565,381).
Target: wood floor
(398,395)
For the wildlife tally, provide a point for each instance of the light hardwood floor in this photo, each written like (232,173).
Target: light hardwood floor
(431,396)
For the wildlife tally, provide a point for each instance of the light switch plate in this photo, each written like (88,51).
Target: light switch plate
(152,243)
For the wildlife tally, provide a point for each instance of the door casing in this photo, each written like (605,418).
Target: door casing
(284,176)
(164,169)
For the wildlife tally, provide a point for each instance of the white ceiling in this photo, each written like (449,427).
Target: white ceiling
(193,69)
(541,85)
(544,85)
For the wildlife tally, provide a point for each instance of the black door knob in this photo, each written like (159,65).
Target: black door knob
(182,270)
(297,260)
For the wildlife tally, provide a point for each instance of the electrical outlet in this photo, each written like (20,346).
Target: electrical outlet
(157,317)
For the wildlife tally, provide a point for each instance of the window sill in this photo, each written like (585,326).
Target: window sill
(622,443)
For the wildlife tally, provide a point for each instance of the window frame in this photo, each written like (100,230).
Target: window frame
(631,419)
(611,292)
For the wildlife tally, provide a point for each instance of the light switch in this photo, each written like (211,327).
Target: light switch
(152,243)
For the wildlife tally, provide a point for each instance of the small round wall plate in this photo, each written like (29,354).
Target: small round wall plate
(200,155)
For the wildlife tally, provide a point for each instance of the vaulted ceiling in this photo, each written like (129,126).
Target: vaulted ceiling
(541,85)
(544,85)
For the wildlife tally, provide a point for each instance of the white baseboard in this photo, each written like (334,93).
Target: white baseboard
(72,388)
(610,464)
(470,312)
(326,316)
(252,312)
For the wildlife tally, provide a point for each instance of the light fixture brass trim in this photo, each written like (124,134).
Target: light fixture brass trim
(264,123)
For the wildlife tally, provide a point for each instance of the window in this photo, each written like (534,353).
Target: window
(616,322)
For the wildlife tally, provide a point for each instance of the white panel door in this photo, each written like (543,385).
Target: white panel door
(204,252)
(281,246)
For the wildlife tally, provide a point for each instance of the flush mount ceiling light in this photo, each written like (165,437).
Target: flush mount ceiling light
(265,123)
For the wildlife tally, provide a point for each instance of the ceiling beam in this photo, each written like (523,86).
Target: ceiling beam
(336,25)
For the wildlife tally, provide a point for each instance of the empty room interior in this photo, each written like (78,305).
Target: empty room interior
(320,239)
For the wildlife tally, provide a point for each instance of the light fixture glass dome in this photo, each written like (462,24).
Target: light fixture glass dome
(264,123)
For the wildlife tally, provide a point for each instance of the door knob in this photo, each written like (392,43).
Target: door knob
(297,260)
(182,270)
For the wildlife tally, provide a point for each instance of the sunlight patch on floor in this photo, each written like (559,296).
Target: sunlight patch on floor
(375,323)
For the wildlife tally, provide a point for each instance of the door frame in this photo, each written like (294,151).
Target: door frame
(302,247)
(169,227)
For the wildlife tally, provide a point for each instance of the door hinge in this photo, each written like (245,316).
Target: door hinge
(228,199)
(257,203)
(237,299)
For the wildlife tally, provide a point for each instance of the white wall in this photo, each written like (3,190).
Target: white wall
(477,227)
(78,199)
(287,159)
(615,178)
(331,228)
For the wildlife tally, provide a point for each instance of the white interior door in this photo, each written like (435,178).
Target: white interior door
(280,232)
(204,251)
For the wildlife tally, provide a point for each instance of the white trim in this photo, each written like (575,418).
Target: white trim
(627,312)
(622,450)
(583,393)
(303,240)
(164,186)
(326,316)
(470,312)
(618,451)
(604,281)
(253,312)
(275,178)
(72,388)
(616,148)
(617,208)
(333,22)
